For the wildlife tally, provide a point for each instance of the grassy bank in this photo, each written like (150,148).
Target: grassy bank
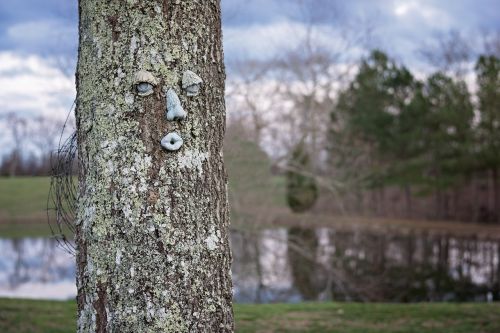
(22,316)
(23,197)
(23,203)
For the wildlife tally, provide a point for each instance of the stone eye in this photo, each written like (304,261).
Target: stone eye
(144,88)
(144,83)
(191,83)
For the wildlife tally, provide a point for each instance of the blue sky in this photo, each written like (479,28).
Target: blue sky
(35,34)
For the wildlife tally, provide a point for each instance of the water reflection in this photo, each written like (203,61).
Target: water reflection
(414,267)
(290,265)
(35,268)
(302,245)
(363,265)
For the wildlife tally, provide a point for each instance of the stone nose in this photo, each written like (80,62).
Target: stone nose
(175,111)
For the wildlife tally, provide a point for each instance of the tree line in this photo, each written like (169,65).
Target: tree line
(427,138)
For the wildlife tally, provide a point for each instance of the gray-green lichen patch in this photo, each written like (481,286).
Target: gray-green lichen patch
(192,160)
(212,241)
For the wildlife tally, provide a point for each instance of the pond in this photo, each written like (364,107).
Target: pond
(297,264)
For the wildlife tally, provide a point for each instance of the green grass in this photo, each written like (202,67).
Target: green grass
(369,318)
(23,204)
(23,196)
(21,316)
(22,229)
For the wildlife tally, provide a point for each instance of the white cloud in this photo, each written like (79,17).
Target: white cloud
(30,85)
(413,9)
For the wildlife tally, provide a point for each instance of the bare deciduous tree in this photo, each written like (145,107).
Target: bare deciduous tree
(44,133)
(18,129)
(288,98)
(450,52)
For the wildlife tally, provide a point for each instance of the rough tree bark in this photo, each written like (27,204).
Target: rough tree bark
(152,225)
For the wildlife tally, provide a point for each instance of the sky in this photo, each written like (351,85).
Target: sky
(38,39)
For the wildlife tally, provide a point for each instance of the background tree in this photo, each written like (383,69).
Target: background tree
(287,97)
(44,134)
(301,188)
(450,53)
(368,118)
(448,137)
(301,195)
(18,128)
(395,131)
(152,225)
(488,131)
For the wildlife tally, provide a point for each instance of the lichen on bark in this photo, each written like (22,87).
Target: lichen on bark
(152,225)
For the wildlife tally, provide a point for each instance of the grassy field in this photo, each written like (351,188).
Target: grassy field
(23,196)
(23,203)
(23,316)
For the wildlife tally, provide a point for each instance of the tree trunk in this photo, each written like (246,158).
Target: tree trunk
(14,161)
(152,226)
(409,201)
(496,196)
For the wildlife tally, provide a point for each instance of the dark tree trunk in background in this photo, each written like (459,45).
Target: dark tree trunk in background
(498,275)
(409,202)
(381,192)
(496,196)
(152,226)
(437,201)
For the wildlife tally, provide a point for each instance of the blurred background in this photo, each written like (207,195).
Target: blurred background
(362,148)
